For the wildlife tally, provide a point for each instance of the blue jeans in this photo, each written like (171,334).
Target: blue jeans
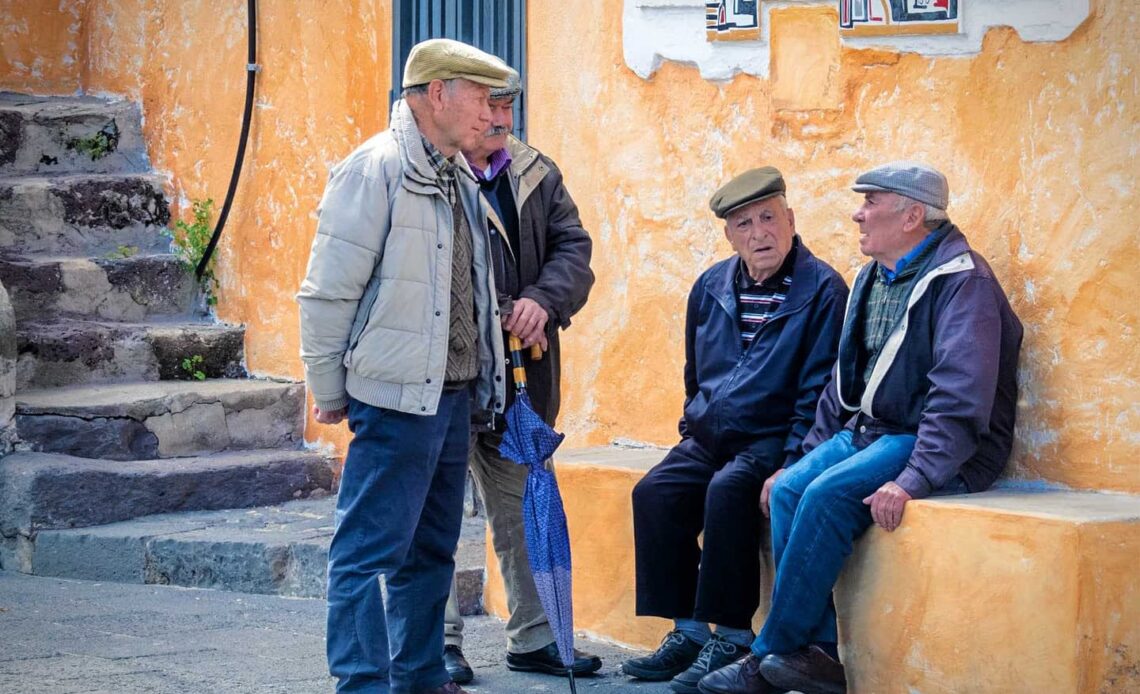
(817,514)
(398,514)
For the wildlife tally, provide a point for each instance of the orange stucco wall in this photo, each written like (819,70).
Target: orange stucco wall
(1038,141)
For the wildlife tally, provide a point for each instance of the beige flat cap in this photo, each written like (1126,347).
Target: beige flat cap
(445,59)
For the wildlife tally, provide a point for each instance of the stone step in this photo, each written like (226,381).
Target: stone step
(47,491)
(69,134)
(84,214)
(118,289)
(961,597)
(281,550)
(72,351)
(162,419)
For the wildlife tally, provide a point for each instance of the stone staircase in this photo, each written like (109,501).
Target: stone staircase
(109,427)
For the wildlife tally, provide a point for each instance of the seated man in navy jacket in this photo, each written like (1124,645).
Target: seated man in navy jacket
(760,339)
(922,402)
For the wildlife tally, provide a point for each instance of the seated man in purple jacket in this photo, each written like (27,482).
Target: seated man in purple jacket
(761,332)
(922,402)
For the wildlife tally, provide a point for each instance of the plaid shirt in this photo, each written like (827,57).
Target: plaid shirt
(886,302)
(444,169)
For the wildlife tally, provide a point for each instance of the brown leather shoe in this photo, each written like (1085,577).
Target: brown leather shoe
(809,670)
(447,688)
(741,677)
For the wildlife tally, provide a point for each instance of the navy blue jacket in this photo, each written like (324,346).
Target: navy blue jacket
(760,403)
(947,373)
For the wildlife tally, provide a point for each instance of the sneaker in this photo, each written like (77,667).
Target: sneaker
(716,654)
(675,654)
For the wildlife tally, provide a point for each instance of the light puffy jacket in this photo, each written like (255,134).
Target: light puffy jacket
(377,293)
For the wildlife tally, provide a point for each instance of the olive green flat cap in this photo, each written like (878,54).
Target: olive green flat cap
(445,59)
(750,186)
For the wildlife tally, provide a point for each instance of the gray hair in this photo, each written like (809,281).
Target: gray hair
(421,89)
(931,215)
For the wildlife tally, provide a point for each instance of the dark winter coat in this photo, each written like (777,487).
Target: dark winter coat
(760,402)
(550,266)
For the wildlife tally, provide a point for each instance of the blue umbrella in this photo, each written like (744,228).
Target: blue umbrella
(530,441)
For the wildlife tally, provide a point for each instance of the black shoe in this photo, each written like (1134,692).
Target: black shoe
(741,677)
(675,654)
(547,660)
(457,666)
(716,654)
(810,670)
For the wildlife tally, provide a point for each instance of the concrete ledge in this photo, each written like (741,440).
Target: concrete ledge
(1013,590)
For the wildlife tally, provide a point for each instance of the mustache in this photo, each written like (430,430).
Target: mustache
(497,130)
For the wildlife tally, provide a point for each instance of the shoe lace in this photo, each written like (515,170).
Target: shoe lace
(673,638)
(715,644)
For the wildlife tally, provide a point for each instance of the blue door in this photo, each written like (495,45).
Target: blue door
(495,26)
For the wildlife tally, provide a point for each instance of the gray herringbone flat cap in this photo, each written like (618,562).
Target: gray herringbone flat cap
(749,186)
(444,59)
(513,88)
(907,178)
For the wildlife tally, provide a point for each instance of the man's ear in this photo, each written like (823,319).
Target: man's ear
(792,219)
(435,94)
(914,217)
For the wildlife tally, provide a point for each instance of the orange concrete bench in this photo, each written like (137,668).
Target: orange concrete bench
(1013,590)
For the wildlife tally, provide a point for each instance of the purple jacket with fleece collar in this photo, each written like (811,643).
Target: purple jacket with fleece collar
(947,373)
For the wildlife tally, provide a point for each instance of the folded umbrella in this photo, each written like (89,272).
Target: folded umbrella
(529,440)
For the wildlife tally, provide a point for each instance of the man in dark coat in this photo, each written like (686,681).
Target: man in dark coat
(542,273)
(922,402)
(760,338)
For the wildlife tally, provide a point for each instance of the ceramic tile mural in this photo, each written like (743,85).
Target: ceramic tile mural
(898,17)
(732,20)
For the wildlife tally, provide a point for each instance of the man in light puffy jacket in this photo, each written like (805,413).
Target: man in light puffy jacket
(921,401)
(400,333)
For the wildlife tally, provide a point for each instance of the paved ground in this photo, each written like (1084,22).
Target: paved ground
(61,636)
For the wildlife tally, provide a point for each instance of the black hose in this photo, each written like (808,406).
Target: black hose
(251,72)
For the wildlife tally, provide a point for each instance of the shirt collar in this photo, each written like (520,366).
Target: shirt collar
(499,160)
(442,166)
(908,259)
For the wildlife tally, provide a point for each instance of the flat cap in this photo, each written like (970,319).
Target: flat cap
(749,186)
(909,179)
(513,88)
(445,59)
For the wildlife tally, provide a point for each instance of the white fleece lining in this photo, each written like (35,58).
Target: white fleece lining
(894,342)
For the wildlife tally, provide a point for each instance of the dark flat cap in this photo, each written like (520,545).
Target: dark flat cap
(909,179)
(513,88)
(749,186)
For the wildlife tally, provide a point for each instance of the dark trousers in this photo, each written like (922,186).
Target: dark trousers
(398,515)
(687,492)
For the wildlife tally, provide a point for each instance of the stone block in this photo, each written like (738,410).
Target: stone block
(196,430)
(46,135)
(1005,591)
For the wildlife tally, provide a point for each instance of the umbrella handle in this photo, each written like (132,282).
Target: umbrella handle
(517,361)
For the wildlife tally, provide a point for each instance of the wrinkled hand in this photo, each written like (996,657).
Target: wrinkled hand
(887,505)
(528,321)
(766,493)
(333,417)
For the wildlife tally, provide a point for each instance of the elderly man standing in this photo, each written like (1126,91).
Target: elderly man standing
(543,276)
(760,338)
(399,332)
(922,402)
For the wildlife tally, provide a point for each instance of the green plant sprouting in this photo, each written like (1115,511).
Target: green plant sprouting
(98,145)
(190,241)
(193,367)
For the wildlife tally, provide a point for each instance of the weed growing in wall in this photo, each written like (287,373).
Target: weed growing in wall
(190,241)
(98,145)
(192,367)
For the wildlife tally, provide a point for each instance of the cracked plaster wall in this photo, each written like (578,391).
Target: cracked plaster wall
(1039,141)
